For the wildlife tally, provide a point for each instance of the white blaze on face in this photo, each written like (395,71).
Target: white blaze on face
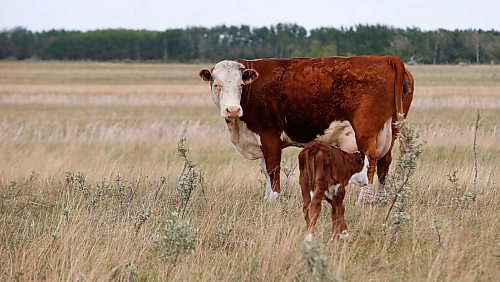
(361,178)
(227,86)
(227,79)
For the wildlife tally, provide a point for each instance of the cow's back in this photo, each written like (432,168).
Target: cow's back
(302,96)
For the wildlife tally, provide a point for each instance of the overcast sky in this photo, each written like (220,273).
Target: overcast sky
(164,14)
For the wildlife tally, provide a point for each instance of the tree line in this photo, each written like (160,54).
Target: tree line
(200,44)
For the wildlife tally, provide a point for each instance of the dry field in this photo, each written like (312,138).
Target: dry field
(119,124)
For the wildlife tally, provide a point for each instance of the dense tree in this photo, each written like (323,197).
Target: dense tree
(196,44)
(20,43)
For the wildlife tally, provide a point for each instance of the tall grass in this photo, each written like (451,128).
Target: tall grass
(89,180)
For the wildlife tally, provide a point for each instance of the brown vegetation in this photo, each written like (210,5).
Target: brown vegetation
(126,119)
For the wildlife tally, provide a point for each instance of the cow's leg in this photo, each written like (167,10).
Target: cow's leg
(315,208)
(382,170)
(366,193)
(338,208)
(267,183)
(271,149)
(383,165)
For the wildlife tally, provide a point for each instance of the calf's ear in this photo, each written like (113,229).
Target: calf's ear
(361,157)
(249,75)
(205,74)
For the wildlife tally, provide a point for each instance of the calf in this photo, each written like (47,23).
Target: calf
(325,171)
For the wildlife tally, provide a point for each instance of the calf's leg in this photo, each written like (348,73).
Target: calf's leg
(338,220)
(306,194)
(320,186)
(314,211)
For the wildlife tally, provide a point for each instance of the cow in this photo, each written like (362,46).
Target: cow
(325,172)
(270,104)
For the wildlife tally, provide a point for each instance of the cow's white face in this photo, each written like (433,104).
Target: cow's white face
(361,178)
(227,79)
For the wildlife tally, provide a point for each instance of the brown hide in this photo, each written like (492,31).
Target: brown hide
(384,163)
(302,96)
(322,166)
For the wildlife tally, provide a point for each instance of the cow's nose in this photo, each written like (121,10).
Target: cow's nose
(233,111)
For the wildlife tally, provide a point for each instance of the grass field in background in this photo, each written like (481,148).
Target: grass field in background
(119,124)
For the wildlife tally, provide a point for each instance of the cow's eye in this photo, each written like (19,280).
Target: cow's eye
(218,87)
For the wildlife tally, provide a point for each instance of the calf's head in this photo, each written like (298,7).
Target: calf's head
(360,176)
(227,79)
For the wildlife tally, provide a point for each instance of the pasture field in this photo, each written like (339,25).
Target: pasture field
(89,169)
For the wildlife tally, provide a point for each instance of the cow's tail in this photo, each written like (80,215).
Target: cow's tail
(400,73)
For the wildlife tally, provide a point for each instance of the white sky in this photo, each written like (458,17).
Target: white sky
(164,14)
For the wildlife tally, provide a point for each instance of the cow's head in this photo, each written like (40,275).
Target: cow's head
(227,79)
(360,176)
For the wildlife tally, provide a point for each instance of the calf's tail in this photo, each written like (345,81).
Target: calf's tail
(307,160)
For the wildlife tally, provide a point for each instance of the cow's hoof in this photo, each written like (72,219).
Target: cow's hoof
(309,237)
(344,235)
(381,195)
(272,197)
(365,196)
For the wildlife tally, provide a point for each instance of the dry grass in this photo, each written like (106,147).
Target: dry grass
(110,119)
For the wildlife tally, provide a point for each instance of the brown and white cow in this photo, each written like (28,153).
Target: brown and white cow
(269,104)
(325,171)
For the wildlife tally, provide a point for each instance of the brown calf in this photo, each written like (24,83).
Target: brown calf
(325,171)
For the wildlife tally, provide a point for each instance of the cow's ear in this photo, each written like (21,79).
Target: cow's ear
(249,75)
(206,74)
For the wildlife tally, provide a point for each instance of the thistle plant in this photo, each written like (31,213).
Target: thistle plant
(221,238)
(130,273)
(98,192)
(437,230)
(461,200)
(160,185)
(15,188)
(176,237)
(289,171)
(313,254)
(81,181)
(120,188)
(142,218)
(191,178)
(399,179)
